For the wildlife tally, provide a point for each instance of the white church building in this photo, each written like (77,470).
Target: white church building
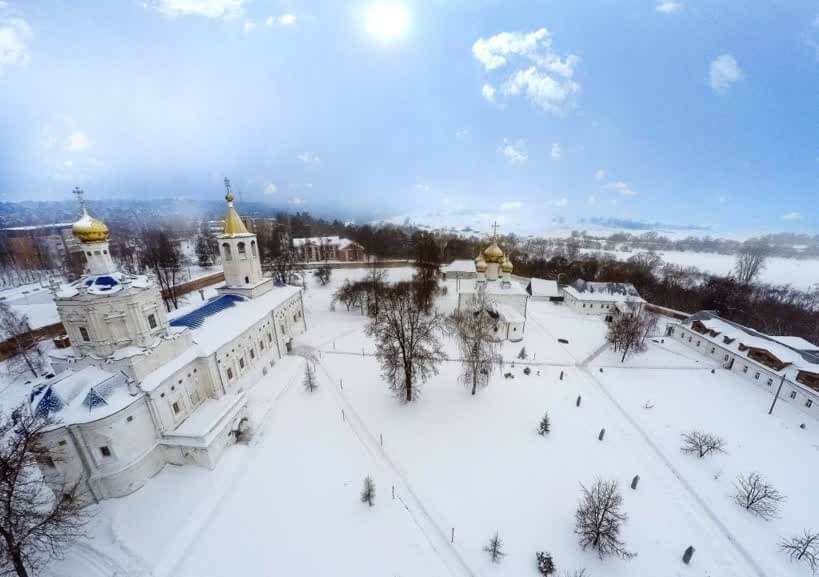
(506,296)
(137,390)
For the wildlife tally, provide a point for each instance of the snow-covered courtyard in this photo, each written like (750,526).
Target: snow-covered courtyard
(451,469)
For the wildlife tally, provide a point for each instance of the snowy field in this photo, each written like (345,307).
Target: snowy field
(799,273)
(288,503)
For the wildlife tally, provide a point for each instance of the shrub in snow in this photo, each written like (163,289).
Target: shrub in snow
(368,491)
(757,496)
(701,444)
(545,565)
(599,518)
(544,426)
(689,552)
(522,355)
(527,371)
(577,573)
(495,549)
(309,381)
(804,547)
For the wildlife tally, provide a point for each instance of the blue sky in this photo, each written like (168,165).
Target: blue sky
(535,113)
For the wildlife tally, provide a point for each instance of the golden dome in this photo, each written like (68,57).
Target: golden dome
(493,253)
(89,229)
(507,265)
(480,264)
(233,222)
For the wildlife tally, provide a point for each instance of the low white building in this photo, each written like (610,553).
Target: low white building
(460,269)
(604,299)
(137,390)
(764,360)
(328,248)
(541,289)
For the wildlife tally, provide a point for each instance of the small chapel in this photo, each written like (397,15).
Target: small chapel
(506,296)
(138,387)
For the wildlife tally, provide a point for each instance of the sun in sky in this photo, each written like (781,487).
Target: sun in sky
(387,21)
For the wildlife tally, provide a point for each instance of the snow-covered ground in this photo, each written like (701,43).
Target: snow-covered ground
(288,503)
(799,273)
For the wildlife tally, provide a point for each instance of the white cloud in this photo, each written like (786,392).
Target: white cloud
(600,174)
(15,34)
(511,205)
(723,72)
(561,203)
(669,7)
(534,69)
(423,187)
(77,142)
(462,134)
(68,164)
(723,198)
(309,158)
(286,19)
(592,200)
(296,201)
(95,162)
(488,92)
(514,152)
(226,9)
(621,187)
(792,216)
(557,151)
(270,189)
(250,25)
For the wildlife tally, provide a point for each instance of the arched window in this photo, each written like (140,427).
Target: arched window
(253,247)
(241,248)
(152,321)
(84,334)
(226,251)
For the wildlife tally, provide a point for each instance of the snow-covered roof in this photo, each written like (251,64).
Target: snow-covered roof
(797,343)
(82,396)
(747,337)
(461,265)
(228,324)
(103,284)
(603,291)
(509,314)
(540,287)
(494,287)
(336,241)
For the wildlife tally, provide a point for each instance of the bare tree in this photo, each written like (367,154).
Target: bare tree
(750,261)
(628,332)
(349,294)
(804,547)
(204,255)
(495,549)
(374,283)
(701,444)
(474,329)
(598,520)
(36,524)
(310,383)
(545,563)
(758,496)
(406,339)
(163,257)
(323,274)
(283,265)
(368,491)
(14,328)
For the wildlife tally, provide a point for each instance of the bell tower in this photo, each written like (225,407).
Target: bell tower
(240,255)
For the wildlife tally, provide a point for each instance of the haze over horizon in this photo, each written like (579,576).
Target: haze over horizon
(539,115)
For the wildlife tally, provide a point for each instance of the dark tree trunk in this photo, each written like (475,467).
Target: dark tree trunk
(17,562)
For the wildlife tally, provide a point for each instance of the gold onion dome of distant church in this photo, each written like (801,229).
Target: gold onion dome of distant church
(89,229)
(493,253)
(480,264)
(507,265)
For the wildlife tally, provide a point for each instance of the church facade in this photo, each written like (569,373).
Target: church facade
(507,298)
(139,388)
